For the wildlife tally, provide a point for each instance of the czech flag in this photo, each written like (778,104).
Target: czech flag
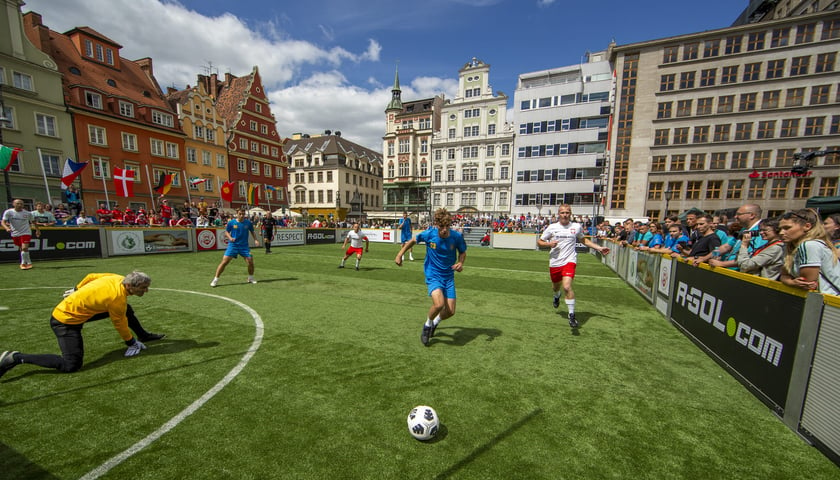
(8,156)
(253,195)
(124,182)
(165,183)
(71,171)
(227,191)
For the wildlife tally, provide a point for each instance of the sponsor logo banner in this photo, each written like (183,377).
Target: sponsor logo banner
(752,329)
(205,238)
(320,235)
(55,244)
(137,241)
(285,237)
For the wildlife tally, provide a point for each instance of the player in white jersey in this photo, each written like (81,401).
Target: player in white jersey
(561,237)
(356,237)
(19,222)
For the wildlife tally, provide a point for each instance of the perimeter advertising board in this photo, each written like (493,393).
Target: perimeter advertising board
(55,244)
(138,241)
(284,237)
(752,329)
(320,235)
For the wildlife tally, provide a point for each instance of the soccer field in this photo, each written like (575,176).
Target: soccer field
(310,374)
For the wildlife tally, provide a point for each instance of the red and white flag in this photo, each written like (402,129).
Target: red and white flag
(124,182)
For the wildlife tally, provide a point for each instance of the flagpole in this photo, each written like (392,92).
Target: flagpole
(44,173)
(151,192)
(187,184)
(268,201)
(104,187)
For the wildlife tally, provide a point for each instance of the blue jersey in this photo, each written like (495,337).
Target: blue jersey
(239,231)
(405,230)
(441,253)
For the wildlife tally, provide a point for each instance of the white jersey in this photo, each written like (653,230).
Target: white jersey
(567,237)
(19,221)
(356,239)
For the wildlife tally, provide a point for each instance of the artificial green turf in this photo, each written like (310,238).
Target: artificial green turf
(340,365)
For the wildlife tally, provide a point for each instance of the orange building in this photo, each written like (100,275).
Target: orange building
(120,115)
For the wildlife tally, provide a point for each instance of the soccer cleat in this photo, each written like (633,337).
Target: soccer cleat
(150,337)
(411,257)
(7,362)
(572,322)
(426,334)
(251,280)
(556,302)
(357,268)
(214,283)
(341,266)
(29,266)
(23,266)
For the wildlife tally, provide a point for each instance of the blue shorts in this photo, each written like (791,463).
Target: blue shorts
(234,251)
(405,237)
(445,284)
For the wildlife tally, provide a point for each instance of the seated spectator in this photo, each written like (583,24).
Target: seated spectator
(103,215)
(182,221)
(767,260)
(202,221)
(485,240)
(42,217)
(62,215)
(129,217)
(810,262)
(155,220)
(116,216)
(83,220)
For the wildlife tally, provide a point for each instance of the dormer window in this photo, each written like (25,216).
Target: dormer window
(161,118)
(88,48)
(126,109)
(99,53)
(109,56)
(93,100)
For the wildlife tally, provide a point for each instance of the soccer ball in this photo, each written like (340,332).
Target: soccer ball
(423,422)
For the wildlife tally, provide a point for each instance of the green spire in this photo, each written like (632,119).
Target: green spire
(396,103)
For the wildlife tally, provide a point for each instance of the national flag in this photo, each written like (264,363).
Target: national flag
(253,195)
(124,182)
(197,180)
(227,191)
(71,171)
(165,183)
(270,188)
(8,155)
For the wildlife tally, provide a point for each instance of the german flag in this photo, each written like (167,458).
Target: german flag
(165,183)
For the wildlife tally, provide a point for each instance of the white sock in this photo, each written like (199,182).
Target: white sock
(436,320)
(250,278)
(357,264)
(215,279)
(556,294)
(342,262)
(428,323)
(26,259)
(570,304)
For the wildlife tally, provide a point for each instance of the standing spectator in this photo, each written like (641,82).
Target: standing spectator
(74,200)
(810,263)
(749,217)
(267,229)
(446,252)
(405,233)
(236,232)
(97,296)
(707,241)
(182,221)
(656,240)
(561,237)
(202,221)
(103,215)
(129,217)
(19,222)
(202,207)
(767,260)
(673,242)
(355,237)
(42,217)
(832,228)
(165,213)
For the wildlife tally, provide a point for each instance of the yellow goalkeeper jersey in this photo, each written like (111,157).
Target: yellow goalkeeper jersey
(96,293)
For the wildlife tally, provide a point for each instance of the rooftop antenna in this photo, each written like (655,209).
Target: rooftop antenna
(209,68)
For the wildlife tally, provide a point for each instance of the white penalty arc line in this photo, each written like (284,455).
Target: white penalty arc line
(192,408)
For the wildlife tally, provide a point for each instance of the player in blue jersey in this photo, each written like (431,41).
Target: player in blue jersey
(445,255)
(405,233)
(236,232)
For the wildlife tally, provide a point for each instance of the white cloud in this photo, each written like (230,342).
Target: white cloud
(545,3)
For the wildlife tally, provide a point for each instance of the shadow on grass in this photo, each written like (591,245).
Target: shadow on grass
(463,336)
(440,435)
(16,465)
(259,281)
(59,267)
(487,446)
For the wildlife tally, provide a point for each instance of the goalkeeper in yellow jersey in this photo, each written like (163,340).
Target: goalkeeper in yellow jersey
(97,296)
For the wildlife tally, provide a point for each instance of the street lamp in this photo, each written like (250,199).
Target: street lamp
(669,194)
(3,122)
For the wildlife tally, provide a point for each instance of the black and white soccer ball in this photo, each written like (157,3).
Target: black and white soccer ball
(423,422)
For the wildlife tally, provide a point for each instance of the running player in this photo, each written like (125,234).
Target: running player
(356,237)
(19,222)
(405,233)
(445,255)
(561,237)
(236,232)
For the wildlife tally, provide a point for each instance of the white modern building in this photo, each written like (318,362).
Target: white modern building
(562,119)
(472,153)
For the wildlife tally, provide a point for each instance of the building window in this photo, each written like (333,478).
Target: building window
(701,134)
(88,48)
(805,33)
(129,142)
(405,146)
(504,173)
(819,94)
(488,173)
(687,80)
(664,110)
(729,74)
(711,48)
(126,109)
(752,71)
(766,129)
(680,136)
(761,159)
(677,163)
(161,118)
(755,41)
(790,127)
(748,101)
(779,37)
(756,188)
(698,161)
(802,188)
(831,29)
(726,103)
(798,66)
(692,189)
(784,157)
(825,62)
(828,187)
(739,160)
(255,168)
(771,99)
(713,188)
(661,136)
(96,135)
(743,131)
(718,161)
(666,82)
(795,97)
(192,155)
(220,160)
(704,106)
(775,69)
(101,168)
(734,189)
(684,108)
(93,100)
(707,77)
(721,133)
(733,45)
(157,147)
(690,51)
(669,54)
(814,126)
(778,189)
(658,163)
(45,125)
(655,190)
(172,150)
(22,81)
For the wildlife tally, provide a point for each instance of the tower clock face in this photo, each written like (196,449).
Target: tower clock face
(391,117)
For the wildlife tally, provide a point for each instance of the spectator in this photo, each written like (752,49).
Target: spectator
(765,261)
(202,221)
(129,217)
(810,263)
(183,220)
(832,228)
(42,217)
(83,220)
(116,215)
(142,220)
(165,212)
(62,215)
(74,200)
(103,215)
(706,241)
(656,240)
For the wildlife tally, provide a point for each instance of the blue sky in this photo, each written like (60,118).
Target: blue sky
(329,64)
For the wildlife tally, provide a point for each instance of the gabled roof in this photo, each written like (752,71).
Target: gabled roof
(331,144)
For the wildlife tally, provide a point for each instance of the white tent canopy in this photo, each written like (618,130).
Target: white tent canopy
(257,211)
